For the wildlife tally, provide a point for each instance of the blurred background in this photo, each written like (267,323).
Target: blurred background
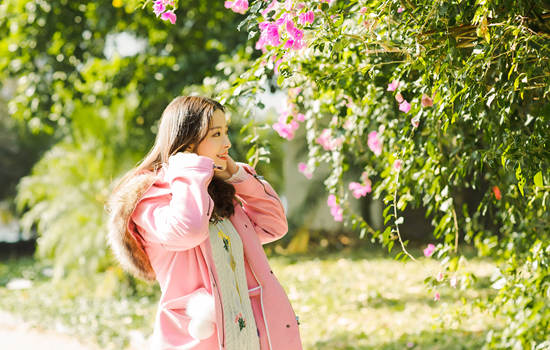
(83,85)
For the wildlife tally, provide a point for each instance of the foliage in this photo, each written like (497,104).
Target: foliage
(345,300)
(440,103)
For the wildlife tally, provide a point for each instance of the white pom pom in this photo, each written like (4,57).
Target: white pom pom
(202,310)
(201,306)
(201,329)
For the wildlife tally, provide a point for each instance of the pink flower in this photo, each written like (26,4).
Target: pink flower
(437,296)
(300,117)
(393,85)
(405,106)
(325,139)
(415,122)
(300,5)
(401,9)
(397,164)
(158,7)
(238,6)
(285,130)
(429,250)
(169,16)
(440,276)
(453,281)
(426,101)
(306,17)
(399,98)
(363,10)
(374,143)
(302,168)
(331,201)
(359,190)
(288,5)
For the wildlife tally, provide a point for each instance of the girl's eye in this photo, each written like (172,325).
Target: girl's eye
(217,134)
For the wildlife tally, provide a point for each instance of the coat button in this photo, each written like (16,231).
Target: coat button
(245,226)
(271,272)
(287,326)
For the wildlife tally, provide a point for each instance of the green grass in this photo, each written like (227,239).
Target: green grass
(353,300)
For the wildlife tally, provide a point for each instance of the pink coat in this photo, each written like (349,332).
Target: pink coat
(167,215)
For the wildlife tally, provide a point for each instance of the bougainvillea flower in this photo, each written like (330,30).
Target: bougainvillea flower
(158,7)
(440,276)
(399,98)
(302,168)
(415,122)
(405,106)
(288,5)
(437,296)
(397,164)
(300,117)
(453,281)
(374,143)
(359,190)
(286,131)
(496,191)
(363,10)
(337,212)
(169,16)
(238,6)
(324,139)
(306,17)
(331,201)
(426,101)
(290,27)
(429,250)
(401,9)
(393,85)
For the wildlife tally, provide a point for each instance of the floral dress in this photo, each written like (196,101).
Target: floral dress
(227,249)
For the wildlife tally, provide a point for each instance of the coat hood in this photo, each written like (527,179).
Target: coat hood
(127,248)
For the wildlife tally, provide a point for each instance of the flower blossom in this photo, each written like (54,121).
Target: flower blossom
(401,9)
(397,164)
(288,5)
(169,16)
(393,85)
(426,101)
(374,143)
(302,168)
(335,209)
(453,281)
(429,250)
(158,7)
(437,296)
(440,276)
(399,98)
(327,141)
(239,6)
(286,130)
(405,106)
(306,17)
(301,117)
(415,122)
(360,190)
(363,10)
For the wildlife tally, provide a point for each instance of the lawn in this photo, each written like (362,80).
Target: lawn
(345,300)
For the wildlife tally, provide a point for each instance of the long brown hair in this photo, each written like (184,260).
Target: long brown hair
(185,122)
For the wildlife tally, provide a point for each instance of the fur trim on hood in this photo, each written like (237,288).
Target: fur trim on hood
(128,250)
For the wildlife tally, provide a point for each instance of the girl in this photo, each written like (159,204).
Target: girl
(195,220)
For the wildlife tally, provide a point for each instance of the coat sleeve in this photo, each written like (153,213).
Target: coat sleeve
(263,206)
(180,222)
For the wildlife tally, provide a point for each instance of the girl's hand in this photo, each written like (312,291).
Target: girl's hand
(231,168)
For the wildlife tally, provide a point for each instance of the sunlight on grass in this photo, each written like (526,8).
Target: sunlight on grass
(344,301)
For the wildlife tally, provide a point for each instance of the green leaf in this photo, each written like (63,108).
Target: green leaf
(538,180)
(521,179)
(280,80)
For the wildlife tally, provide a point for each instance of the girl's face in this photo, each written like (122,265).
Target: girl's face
(216,144)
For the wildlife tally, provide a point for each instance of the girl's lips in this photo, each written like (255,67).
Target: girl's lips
(223,157)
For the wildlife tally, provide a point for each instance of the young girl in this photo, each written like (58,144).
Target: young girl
(195,220)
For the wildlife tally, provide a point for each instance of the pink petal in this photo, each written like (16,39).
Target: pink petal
(363,10)
(440,277)
(228,4)
(331,201)
(453,281)
(429,250)
(397,164)
(302,167)
(405,106)
(401,9)
(399,98)
(415,122)
(426,101)
(437,296)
